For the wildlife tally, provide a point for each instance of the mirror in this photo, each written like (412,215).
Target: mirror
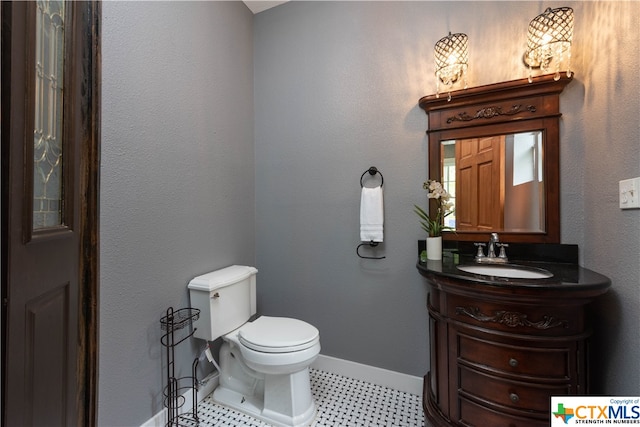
(495,148)
(502,172)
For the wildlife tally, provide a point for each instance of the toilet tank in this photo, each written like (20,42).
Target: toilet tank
(226,299)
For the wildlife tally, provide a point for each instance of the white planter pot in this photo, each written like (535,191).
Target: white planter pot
(434,248)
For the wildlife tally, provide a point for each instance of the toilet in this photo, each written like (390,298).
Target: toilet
(264,363)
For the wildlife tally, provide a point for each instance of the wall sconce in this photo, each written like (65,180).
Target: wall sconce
(549,38)
(451,55)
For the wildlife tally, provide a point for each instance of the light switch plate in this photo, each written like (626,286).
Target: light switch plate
(629,193)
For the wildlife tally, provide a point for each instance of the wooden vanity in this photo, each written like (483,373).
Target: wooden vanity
(500,348)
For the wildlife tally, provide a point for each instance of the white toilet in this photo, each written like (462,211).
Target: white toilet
(264,363)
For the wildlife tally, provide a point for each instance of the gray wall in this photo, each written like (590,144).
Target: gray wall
(605,145)
(177,179)
(334,87)
(336,90)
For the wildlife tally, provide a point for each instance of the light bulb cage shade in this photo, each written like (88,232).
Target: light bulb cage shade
(452,56)
(550,35)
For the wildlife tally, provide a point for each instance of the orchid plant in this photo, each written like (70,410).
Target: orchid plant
(435,226)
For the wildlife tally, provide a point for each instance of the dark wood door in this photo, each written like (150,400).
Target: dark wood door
(50,140)
(480,184)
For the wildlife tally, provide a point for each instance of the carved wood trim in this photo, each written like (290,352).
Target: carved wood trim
(490,112)
(511,318)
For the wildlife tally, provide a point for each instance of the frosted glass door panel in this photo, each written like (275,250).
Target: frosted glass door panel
(47,134)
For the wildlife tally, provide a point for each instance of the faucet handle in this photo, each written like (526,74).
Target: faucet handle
(503,253)
(480,253)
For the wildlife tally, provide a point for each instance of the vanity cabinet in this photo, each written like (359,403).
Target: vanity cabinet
(500,351)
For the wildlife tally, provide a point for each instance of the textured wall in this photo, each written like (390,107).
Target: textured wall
(177,179)
(606,141)
(336,91)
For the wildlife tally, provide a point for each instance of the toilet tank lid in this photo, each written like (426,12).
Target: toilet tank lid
(221,278)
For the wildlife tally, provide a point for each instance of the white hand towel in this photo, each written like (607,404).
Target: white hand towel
(371,214)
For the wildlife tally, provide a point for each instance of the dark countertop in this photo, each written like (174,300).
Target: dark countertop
(567,277)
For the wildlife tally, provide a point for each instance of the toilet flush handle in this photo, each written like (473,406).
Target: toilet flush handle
(216,295)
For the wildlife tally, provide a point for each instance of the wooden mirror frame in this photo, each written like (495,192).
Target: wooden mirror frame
(497,109)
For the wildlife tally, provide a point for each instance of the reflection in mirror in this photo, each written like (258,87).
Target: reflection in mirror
(496,182)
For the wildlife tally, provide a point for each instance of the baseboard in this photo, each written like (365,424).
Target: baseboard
(206,388)
(372,374)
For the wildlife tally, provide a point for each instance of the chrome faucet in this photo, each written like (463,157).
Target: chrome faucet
(491,258)
(491,252)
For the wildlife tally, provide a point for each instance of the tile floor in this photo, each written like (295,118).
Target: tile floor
(342,402)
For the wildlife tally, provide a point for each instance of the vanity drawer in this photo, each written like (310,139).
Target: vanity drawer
(539,320)
(514,394)
(550,363)
(473,414)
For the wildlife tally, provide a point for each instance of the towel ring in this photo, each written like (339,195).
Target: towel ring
(372,171)
(373,245)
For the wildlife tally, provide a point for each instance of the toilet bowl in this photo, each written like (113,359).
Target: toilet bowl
(264,363)
(271,380)
(276,345)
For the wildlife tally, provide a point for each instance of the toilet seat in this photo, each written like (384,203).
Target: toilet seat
(278,335)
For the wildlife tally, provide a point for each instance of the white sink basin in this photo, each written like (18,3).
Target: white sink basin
(508,271)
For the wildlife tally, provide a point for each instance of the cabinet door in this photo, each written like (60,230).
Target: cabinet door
(439,355)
